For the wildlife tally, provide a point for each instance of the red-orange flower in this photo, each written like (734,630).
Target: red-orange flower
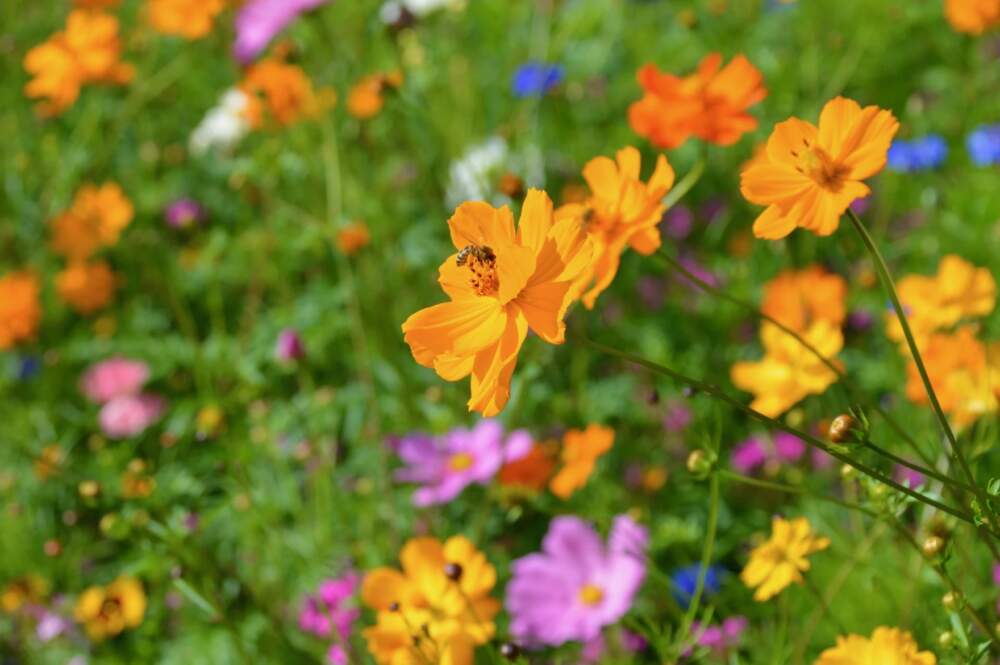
(353,237)
(500,282)
(20,310)
(972,16)
(812,174)
(710,104)
(191,19)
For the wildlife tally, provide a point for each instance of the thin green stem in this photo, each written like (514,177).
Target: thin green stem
(930,473)
(790,489)
(706,551)
(686,183)
(823,604)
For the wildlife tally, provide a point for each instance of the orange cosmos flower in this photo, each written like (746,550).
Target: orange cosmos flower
(96,4)
(888,646)
(581,450)
(796,298)
(353,237)
(531,472)
(95,220)
(365,99)
(20,310)
(711,104)
(500,282)
(972,16)
(812,174)
(283,90)
(191,19)
(788,372)
(87,51)
(621,211)
(107,611)
(86,287)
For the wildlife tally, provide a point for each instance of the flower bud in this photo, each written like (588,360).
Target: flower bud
(946,638)
(847,472)
(933,545)
(844,429)
(699,463)
(952,601)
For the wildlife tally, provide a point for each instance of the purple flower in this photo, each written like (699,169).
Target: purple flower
(327,610)
(860,206)
(184,213)
(50,625)
(906,475)
(258,21)
(677,222)
(446,465)
(722,637)
(788,447)
(289,347)
(996,574)
(576,585)
(678,417)
(748,456)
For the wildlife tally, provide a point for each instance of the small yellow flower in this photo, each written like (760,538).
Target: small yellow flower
(22,591)
(107,611)
(783,558)
(887,646)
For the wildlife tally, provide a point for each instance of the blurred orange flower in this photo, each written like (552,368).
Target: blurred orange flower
(86,287)
(797,298)
(531,472)
(812,174)
(365,100)
(190,19)
(87,51)
(284,91)
(581,450)
(788,372)
(96,4)
(95,220)
(27,590)
(136,481)
(890,646)
(107,611)
(500,282)
(710,104)
(49,461)
(353,237)
(972,16)
(20,310)
(621,211)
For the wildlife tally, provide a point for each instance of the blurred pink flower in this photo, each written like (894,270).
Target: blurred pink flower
(907,475)
(748,455)
(788,447)
(112,378)
(720,638)
(128,415)
(289,346)
(258,21)
(183,213)
(756,451)
(328,610)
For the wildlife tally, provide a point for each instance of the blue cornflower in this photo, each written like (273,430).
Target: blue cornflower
(28,367)
(917,155)
(983,145)
(534,79)
(685,582)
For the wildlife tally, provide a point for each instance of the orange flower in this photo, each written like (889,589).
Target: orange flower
(96,4)
(500,282)
(581,450)
(20,310)
(87,51)
(137,483)
(972,16)
(49,461)
(353,237)
(107,611)
(958,290)
(711,104)
(283,90)
(813,174)
(365,99)
(620,211)
(28,590)
(95,220)
(86,287)
(531,472)
(191,19)
(797,298)
(788,372)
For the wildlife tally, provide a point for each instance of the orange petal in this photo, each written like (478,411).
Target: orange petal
(535,220)
(494,366)
(480,224)
(788,137)
(458,328)
(773,183)
(544,305)
(382,587)
(601,175)
(773,224)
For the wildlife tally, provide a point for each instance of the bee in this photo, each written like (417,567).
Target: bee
(483,254)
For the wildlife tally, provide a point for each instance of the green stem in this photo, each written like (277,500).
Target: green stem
(686,183)
(706,552)
(823,604)
(930,473)
(790,489)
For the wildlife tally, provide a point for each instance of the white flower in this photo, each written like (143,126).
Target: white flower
(392,10)
(471,176)
(223,126)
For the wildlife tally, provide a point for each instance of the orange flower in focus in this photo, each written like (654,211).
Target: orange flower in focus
(958,290)
(797,298)
(95,220)
(500,282)
(282,90)
(581,450)
(531,472)
(190,19)
(621,211)
(812,174)
(711,104)
(87,51)
(86,287)
(972,16)
(20,310)
(788,372)
(365,99)
(353,237)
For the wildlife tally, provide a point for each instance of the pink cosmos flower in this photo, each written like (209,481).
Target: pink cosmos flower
(576,585)
(446,465)
(328,611)
(746,457)
(756,451)
(112,378)
(184,213)
(258,21)
(720,638)
(128,415)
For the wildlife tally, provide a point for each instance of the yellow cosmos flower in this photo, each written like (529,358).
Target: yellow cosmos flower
(812,174)
(887,646)
(580,452)
(621,211)
(437,609)
(107,611)
(789,371)
(501,282)
(783,558)
(797,298)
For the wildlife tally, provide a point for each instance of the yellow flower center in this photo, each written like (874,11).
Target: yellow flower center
(814,162)
(591,595)
(460,461)
(482,263)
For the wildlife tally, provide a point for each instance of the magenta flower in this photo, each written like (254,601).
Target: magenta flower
(755,452)
(446,465)
(258,21)
(328,610)
(129,415)
(746,457)
(576,585)
(112,378)
(678,417)
(906,475)
(289,346)
(720,638)
(183,213)
(788,447)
